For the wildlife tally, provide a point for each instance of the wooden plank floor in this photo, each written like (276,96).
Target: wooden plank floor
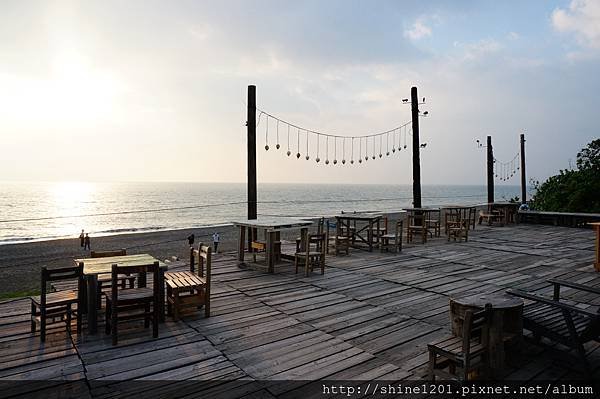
(369,317)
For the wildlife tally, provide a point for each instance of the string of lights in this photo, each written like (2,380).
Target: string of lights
(506,170)
(342,149)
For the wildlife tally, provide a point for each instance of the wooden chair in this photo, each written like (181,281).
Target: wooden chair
(189,291)
(341,241)
(492,216)
(562,322)
(376,232)
(416,224)
(458,230)
(133,303)
(392,240)
(338,242)
(312,254)
(57,306)
(320,229)
(467,353)
(105,280)
(434,225)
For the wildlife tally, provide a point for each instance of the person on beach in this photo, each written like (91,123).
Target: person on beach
(81,238)
(87,245)
(191,239)
(215,242)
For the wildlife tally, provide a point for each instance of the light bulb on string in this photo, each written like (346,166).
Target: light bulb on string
(318,139)
(267,135)
(307,156)
(334,150)
(343,150)
(298,146)
(380,142)
(277,145)
(327,150)
(373,147)
(387,144)
(288,141)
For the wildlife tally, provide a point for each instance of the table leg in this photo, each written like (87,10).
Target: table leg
(161,295)
(270,251)
(370,236)
(496,344)
(241,245)
(598,248)
(306,247)
(92,310)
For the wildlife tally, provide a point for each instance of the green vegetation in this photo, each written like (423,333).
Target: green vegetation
(576,190)
(18,294)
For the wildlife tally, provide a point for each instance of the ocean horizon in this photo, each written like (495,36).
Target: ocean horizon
(38,211)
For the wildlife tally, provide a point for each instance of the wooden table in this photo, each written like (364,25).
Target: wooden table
(92,267)
(460,212)
(272,226)
(507,322)
(370,219)
(424,212)
(508,209)
(596,226)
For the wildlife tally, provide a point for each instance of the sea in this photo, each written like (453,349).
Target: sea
(52,210)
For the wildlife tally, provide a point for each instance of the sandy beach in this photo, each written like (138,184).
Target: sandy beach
(20,264)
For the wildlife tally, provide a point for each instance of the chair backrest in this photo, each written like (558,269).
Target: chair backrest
(417,219)
(106,254)
(149,268)
(321,225)
(399,226)
(318,241)
(204,256)
(476,324)
(58,274)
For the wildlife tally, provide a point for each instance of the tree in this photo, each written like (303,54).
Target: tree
(572,190)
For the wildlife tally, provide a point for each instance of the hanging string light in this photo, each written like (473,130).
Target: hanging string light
(504,171)
(307,157)
(267,134)
(318,139)
(298,146)
(360,150)
(335,150)
(396,134)
(288,151)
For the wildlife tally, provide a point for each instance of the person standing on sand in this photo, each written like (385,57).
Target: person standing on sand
(191,239)
(81,238)
(87,242)
(215,242)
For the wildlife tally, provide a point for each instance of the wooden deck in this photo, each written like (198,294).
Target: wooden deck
(369,317)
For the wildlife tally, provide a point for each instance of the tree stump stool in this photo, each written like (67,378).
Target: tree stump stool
(506,325)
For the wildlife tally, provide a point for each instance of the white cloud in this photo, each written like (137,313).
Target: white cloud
(418,31)
(479,49)
(582,18)
(513,35)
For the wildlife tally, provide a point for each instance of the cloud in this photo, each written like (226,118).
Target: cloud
(418,31)
(582,18)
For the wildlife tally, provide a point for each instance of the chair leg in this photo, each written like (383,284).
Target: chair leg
(107,318)
(33,311)
(155,318)
(176,305)
(431,368)
(69,310)
(113,325)
(296,263)
(147,315)
(42,324)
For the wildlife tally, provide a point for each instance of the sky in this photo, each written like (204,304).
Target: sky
(156,90)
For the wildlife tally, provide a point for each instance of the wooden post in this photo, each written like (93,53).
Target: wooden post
(251,124)
(490,170)
(523,176)
(416,148)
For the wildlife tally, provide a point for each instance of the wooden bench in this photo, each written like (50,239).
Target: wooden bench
(491,217)
(561,322)
(567,219)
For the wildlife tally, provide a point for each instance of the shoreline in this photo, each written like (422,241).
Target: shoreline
(21,263)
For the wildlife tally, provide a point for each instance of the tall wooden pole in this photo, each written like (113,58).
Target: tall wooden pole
(490,170)
(523,176)
(251,124)
(416,148)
